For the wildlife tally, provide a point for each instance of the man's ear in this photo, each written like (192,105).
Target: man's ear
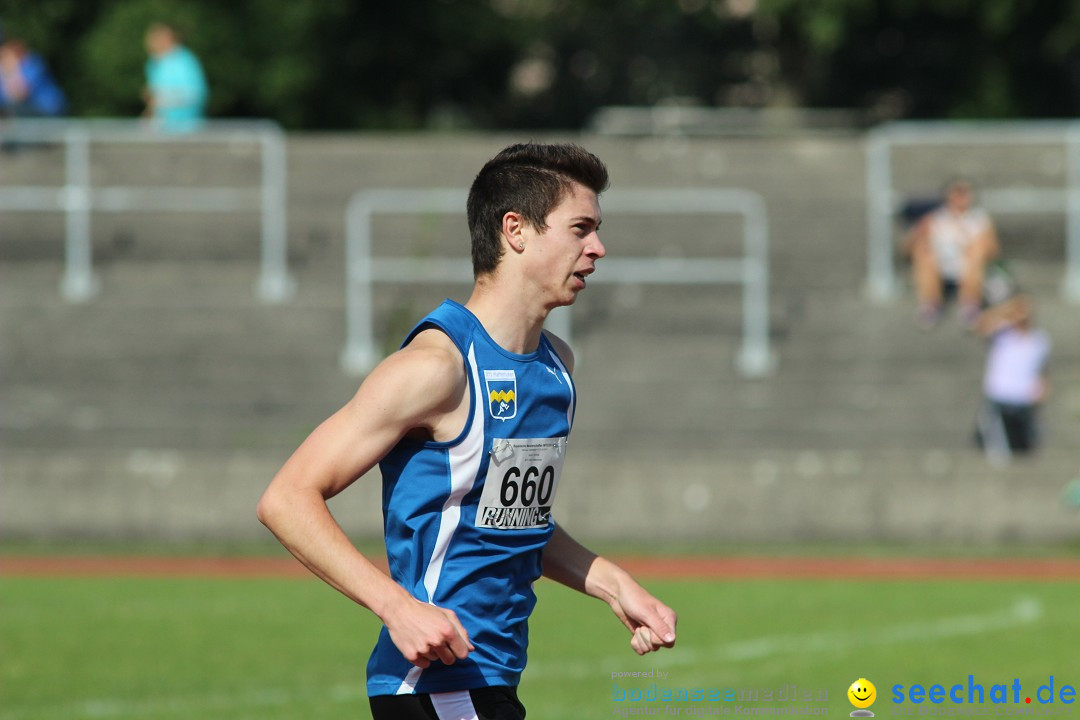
(513,231)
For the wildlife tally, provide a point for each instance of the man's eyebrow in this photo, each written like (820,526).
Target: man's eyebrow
(587,218)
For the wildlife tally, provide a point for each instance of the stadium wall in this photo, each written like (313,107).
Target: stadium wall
(160,410)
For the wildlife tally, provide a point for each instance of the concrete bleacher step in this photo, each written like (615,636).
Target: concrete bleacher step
(165,356)
(178,382)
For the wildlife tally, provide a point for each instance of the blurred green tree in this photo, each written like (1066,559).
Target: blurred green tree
(932,58)
(339,64)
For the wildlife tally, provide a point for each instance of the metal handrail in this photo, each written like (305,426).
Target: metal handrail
(79,197)
(881,283)
(755,357)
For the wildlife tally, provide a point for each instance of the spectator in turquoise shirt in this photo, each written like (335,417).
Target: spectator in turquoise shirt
(176,89)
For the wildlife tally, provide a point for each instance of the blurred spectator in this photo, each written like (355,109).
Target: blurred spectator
(176,89)
(27,88)
(950,248)
(1014,382)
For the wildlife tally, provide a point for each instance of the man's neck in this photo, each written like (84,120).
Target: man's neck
(511,321)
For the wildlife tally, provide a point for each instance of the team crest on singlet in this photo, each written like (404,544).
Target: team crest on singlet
(501,393)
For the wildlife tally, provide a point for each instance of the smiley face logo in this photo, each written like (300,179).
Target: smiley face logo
(862,695)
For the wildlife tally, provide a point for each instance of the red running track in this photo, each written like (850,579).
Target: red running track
(658,567)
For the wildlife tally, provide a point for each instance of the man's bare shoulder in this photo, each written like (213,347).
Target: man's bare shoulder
(425,376)
(434,349)
(562,348)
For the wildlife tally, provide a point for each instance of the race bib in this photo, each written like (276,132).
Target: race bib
(522,477)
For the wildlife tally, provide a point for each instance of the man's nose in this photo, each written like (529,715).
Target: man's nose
(596,247)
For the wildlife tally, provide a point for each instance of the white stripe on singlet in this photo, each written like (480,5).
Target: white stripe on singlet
(569,383)
(464,464)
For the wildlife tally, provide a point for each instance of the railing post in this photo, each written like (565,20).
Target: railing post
(880,273)
(755,359)
(359,356)
(78,283)
(275,285)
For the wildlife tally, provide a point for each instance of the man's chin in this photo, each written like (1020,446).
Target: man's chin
(562,302)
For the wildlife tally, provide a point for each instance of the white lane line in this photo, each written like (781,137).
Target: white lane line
(1024,611)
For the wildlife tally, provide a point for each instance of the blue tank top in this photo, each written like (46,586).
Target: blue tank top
(466,521)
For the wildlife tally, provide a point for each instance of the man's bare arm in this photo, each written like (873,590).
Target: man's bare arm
(651,622)
(417,388)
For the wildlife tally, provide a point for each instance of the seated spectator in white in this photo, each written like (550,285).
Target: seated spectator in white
(950,248)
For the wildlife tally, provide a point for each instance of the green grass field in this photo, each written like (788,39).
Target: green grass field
(150,648)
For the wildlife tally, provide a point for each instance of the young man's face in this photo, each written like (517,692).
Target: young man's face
(565,254)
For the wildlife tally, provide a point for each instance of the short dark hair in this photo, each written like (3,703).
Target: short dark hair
(528,178)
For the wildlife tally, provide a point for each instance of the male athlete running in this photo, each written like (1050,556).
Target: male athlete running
(469,422)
